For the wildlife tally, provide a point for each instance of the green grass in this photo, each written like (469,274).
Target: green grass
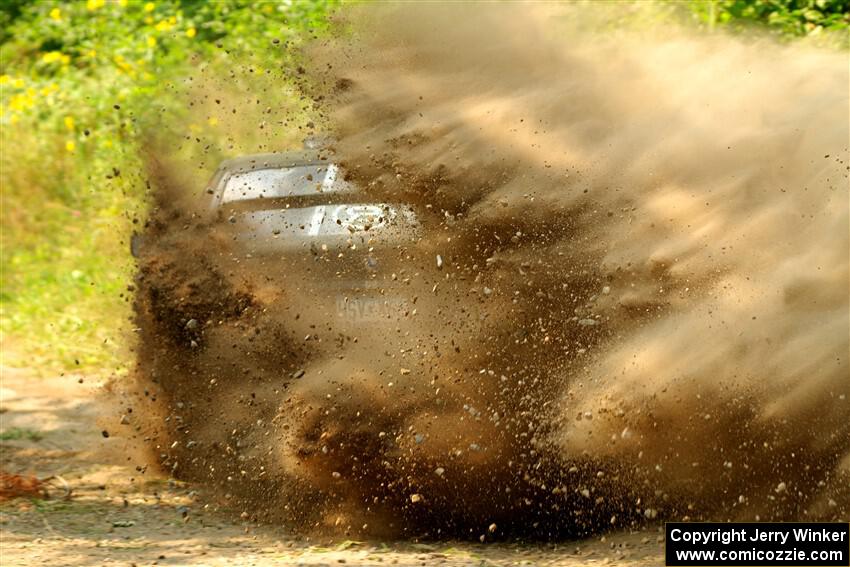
(18,433)
(77,81)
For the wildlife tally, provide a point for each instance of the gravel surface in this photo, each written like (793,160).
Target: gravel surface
(117,515)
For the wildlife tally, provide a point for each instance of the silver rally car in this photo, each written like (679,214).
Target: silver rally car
(297,211)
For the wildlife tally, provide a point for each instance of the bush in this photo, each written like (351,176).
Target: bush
(786,18)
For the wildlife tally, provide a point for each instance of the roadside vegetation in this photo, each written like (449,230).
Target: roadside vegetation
(83,84)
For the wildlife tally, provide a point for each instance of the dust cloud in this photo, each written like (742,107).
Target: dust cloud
(625,297)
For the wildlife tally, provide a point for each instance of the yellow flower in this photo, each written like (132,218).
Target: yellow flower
(122,3)
(70,146)
(69,122)
(56,14)
(212,121)
(19,103)
(151,41)
(92,53)
(162,26)
(191,32)
(56,56)
(172,20)
(18,84)
(4,79)
(149,7)
(123,64)
(95,4)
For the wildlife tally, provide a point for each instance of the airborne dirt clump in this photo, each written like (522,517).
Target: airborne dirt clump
(626,299)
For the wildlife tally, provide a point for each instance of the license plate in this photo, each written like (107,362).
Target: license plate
(369,308)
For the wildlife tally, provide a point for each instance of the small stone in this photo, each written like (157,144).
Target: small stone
(298,373)
(492,528)
(439,471)
(191,324)
(439,262)
(125,420)
(588,322)
(781,487)
(415,498)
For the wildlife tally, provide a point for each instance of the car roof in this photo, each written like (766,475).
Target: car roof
(274,160)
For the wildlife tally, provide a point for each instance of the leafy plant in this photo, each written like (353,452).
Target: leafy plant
(786,18)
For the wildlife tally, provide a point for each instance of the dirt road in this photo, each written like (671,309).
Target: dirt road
(118,515)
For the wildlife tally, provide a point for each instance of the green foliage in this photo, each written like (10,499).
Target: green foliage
(788,18)
(82,86)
